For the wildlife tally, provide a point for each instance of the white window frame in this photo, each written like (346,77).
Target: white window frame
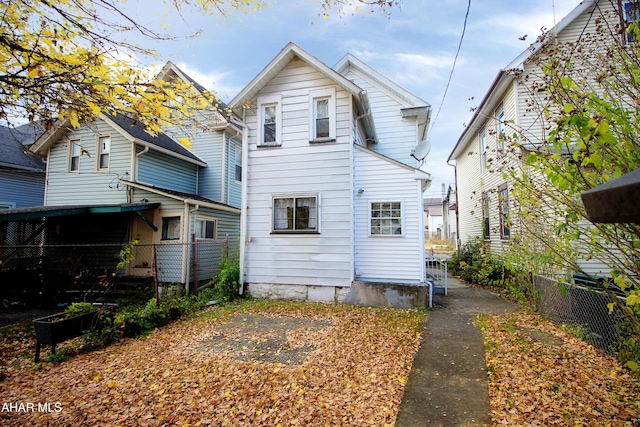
(102,151)
(200,221)
(163,229)
(482,137)
(237,169)
(486,217)
(501,130)
(72,154)
(314,96)
(294,197)
(503,205)
(372,218)
(268,101)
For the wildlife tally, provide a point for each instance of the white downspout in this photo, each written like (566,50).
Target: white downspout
(243,205)
(224,170)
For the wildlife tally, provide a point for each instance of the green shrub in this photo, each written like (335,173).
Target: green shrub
(78,308)
(227,282)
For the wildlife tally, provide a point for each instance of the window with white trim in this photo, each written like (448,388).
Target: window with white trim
(104,148)
(206,228)
(269,121)
(486,230)
(238,163)
(75,151)
(322,115)
(171,228)
(483,149)
(503,192)
(501,131)
(386,219)
(295,214)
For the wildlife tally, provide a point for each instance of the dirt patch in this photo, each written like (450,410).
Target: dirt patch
(252,337)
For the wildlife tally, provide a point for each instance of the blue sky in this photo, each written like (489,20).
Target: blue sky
(415,47)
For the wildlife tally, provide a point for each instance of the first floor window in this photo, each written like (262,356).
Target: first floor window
(171,228)
(295,214)
(74,156)
(486,231)
(104,148)
(205,228)
(386,218)
(503,191)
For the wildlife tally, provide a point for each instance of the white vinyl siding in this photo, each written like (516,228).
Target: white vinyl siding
(87,185)
(397,136)
(299,168)
(393,258)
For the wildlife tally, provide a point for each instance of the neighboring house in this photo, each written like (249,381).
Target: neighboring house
(331,194)
(21,172)
(111,182)
(484,208)
(433,217)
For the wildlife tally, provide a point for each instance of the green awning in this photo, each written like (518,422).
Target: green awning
(40,212)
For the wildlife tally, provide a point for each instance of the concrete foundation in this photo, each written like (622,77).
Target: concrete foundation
(370,294)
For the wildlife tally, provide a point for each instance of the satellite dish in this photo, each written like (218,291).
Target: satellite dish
(421,150)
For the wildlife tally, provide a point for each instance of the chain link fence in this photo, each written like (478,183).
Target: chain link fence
(55,272)
(584,312)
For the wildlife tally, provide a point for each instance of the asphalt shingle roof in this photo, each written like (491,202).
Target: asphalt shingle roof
(14,144)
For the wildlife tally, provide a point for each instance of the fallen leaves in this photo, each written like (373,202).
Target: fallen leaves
(255,363)
(541,375)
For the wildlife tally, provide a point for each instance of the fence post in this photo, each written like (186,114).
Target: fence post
(155,275)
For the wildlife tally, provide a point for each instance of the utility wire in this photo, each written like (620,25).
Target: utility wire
(453,67)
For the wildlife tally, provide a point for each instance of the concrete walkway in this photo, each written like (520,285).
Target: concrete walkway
(447,384)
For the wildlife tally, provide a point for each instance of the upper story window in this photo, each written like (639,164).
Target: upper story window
(503,192)
(104,148)
(386,219)
(269,121)
(482,136)
(75,151)
(295,214)
(322,113)
(238,163)
(631,13)
(206,228)
(501,131)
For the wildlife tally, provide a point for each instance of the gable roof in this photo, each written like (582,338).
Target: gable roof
(131,129)
(14,142)
(504,78)
(170,68)
(381,80)
(286,55)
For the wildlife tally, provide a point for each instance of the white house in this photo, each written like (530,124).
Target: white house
(331,193)
(482,153)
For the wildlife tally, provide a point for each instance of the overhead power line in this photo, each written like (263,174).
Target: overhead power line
(453,67)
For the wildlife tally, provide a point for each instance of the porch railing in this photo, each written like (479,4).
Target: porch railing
(436,274)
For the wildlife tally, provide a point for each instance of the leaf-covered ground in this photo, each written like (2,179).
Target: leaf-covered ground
(540,375)
(258,363)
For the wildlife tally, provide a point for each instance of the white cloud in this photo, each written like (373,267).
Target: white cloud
(213,80)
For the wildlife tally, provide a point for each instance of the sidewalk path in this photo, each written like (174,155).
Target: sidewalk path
(447,384)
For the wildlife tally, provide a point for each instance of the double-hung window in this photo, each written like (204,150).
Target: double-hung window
(500,131)
(74,155)
(486,231)
(238,163)
(269,121)
(104,148)
(206,228)
(386,219)
(295,214)
(322,115)
(503,192)
(483,149)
